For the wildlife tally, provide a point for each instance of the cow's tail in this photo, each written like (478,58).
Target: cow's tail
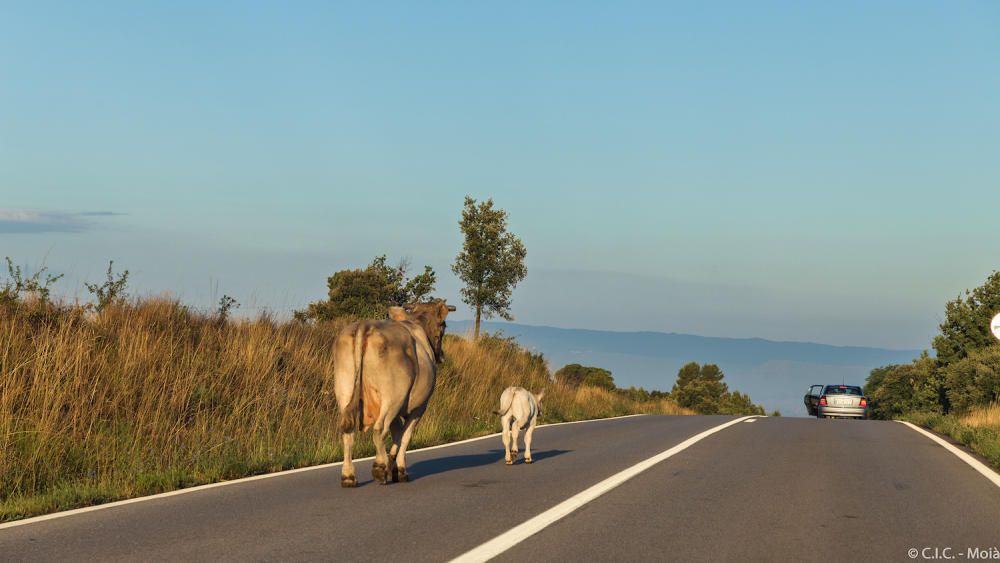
(354,415)
(505,407)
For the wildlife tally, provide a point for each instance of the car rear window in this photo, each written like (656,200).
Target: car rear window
(842,390)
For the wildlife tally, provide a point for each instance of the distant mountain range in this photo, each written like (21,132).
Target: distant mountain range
(775,374)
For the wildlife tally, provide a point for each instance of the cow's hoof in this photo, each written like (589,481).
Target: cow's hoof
(404,477)
(348,481)
(509,461)
(379,472)
(527,460)
(395,474)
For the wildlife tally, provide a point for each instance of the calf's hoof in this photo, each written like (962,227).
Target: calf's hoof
(527,460)
(404,477)
(379,472)
(509,461)
(348,481)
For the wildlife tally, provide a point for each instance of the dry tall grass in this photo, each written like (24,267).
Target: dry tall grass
(150,396)
(984,417)
(475,373)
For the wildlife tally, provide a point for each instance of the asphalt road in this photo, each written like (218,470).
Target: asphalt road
(777,489)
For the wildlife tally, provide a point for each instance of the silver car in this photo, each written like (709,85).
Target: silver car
(842,401)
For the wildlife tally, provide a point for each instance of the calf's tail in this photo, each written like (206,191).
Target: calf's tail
(504,407)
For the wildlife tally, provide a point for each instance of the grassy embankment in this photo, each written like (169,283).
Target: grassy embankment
(148,397)
(979,429)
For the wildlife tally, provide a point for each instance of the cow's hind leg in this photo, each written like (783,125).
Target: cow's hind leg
(396,430)
(527,440)
(400,460)
(380,466)
(380,430)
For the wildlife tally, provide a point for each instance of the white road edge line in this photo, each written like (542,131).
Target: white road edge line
(521,532)
(975,463)
(198,488)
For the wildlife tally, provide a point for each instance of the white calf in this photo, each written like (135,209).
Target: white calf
(518,411)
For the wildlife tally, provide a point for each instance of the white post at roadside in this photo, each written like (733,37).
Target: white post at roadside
(995,326)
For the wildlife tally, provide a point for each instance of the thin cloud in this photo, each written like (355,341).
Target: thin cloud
(20,221)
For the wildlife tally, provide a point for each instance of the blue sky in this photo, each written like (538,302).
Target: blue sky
(788,170)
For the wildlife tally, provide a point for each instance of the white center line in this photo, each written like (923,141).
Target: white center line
(519,533)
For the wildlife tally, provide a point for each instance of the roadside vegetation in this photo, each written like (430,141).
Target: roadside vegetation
(698,388)
(124,397)
(702,389)
(956,391)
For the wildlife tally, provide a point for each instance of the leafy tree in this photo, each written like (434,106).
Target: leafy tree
(636,393)
(898,389)
(576,374)
(112,290)
(738,403)
(643,394)
(973,380)
(876,378)
(369,292)
(966,324)
(491,262)
(700,388)
(965,373)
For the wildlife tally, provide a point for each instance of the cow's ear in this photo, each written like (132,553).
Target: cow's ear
(397,313)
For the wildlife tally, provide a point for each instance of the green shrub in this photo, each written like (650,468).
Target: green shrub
(899,389)
(973,381)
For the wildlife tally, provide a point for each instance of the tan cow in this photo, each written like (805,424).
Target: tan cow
(383,376)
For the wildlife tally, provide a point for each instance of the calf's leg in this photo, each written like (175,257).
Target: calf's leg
(527,440)
(515,431)
(505,436)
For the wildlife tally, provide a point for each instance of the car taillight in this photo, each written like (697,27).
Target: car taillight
(864,402)
(822,400)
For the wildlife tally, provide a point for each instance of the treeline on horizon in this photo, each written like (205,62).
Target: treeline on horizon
(955,391)
(698,387)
